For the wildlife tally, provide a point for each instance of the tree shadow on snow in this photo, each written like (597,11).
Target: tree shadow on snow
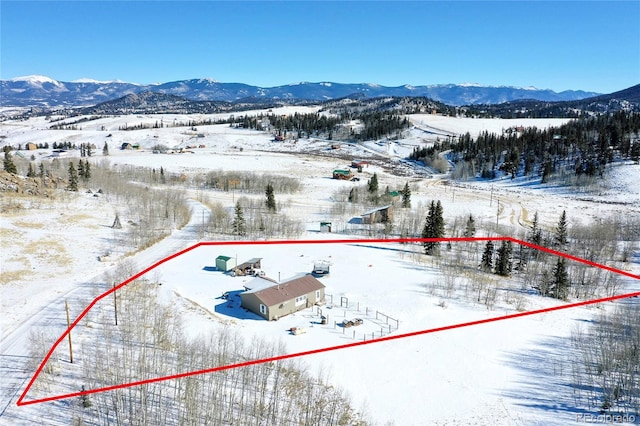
(545,381)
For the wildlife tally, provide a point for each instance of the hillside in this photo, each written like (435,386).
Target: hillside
(623,100)
(39,91)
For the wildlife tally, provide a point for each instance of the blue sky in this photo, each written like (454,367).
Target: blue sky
(557,45)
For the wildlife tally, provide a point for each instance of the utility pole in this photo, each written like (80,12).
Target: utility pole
(115,304)
(497,214)
(66,306)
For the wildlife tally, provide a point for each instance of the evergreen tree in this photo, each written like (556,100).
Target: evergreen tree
(470,227)
(406,196)
(81,169)
(105,149)
(73,178)
(353,195)
(271,201)
(373,184)
(88,150)
(162,178)
(547,169)
(536,234)
(238,225)
(523,258)
(503,262)
(561,230)
(82,152)
(31,172)
(560,280)
(487,257)
(9,165)
(87,170)
(433,227)
(41,171)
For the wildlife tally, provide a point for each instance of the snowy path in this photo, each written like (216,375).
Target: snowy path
(15,355)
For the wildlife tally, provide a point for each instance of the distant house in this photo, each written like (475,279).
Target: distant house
(31,146)
(126,145)
(225,263)
(394,194)
(325,226)
(59,153)
(272,301)
(359,164)
(342,174)
(378,215)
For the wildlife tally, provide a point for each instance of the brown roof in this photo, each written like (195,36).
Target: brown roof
(288,290)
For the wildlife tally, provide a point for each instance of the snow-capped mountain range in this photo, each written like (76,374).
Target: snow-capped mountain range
(41,91)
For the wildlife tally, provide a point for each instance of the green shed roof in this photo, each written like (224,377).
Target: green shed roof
(225,258)
(341,172)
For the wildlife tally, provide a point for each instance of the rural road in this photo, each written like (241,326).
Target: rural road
(16,359)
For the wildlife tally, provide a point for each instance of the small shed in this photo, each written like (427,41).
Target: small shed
(342,174)
(321,268)
(126,145)
(225,263)
(246,268)
(31,146)
(378,215)
(325,226)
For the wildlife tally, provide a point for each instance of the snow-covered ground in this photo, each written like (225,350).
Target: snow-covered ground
(500,373)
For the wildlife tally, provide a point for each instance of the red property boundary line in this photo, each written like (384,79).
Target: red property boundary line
(21,401)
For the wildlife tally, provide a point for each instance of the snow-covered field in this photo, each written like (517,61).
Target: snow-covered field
(500,373)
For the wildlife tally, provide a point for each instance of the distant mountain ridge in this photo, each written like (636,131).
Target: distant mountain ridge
(43,92)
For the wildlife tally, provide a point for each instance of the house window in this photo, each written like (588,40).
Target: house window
(301,300)
(317,294)
(263,309)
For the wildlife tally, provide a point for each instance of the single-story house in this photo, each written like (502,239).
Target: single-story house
(378,215)
(359,163)
(277,300)
(342,174)
(259,283)
(225,263)
(31,146)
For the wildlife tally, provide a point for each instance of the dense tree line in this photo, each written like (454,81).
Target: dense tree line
(374,124)
(380,124)
(580,148)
